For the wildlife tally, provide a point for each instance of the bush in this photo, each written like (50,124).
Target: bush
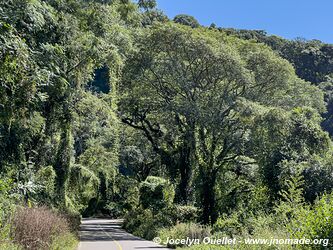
(141,223)
(183,231)
(37,228)
(156,211)
(146,223)
(74,220)
(292,219)
(315,223)
(156,193)
(7,209)
(114,209)
(228,225)
(185,214)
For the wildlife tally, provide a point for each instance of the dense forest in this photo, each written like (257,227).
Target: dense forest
(108,108)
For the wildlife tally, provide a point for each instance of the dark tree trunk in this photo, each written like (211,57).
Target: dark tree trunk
(185,170)
(186,163)
(62,165)
(208,197)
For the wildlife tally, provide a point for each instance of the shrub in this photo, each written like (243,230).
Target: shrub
(184,214)
(7,208)
(228,225)
(114,209)
(146,224)
(183,231)
(315,223)
(156,193)
(36,228)
(74,220)
(155,210)
(140,222)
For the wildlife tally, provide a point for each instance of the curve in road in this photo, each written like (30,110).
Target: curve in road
(106,234)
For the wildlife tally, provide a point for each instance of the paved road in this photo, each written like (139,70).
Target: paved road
(105,234)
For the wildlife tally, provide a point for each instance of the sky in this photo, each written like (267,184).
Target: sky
(309,19)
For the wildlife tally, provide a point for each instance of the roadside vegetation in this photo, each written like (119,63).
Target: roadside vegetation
(108,108)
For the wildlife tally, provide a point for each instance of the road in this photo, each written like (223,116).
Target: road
(106,234)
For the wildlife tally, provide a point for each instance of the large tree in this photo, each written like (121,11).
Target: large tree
(194,95)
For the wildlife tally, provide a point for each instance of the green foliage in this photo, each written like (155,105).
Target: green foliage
(45,177)
(185,214)
(147,4)
(109,108)
(155,210)
(292,200)
(286,142)
(136,156)
(74,220)
(203,247)
(314,223)
(152,16)
(7,208)
(123,198)
(202,121)
(156,193)
(66,241)
(83,184)
(317,178)
(146,223)
(50,52)
(311,59)
(186,20)
(10,246)
(229,225)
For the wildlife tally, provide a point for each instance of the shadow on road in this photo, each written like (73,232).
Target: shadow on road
(102,231)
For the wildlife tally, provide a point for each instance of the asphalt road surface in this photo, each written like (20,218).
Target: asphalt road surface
(105,234)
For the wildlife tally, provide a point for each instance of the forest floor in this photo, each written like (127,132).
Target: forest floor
(107,234)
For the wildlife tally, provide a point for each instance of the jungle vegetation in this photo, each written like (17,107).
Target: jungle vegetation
(109,108)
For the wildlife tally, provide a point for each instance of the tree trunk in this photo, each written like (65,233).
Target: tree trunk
(208,197)
(184,170)
(62,165)
(186,164)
